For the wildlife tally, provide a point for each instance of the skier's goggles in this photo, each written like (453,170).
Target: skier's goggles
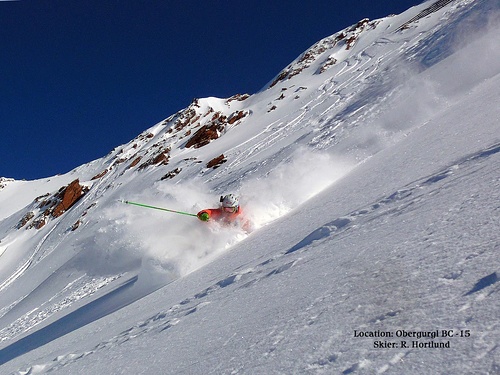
(229,209)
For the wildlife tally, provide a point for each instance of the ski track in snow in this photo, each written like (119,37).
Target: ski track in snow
(335,93)
(33,258)
(324,360)
(401,200)
(357,67)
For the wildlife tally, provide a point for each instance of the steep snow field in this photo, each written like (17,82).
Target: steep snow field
(374,191)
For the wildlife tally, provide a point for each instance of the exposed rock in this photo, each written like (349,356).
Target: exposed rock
(360,25)
(68,197)
(216,162)
(79,222)
(348,37)
(118,161)
(26,218)
(135,162)
(141,137)
(161,158)
(172,174)
(218,116)
(238,97)
(200,124)
(281,77)
(4,181)
(351,41)
(328,63)
(100,174)
(188,117)
(205,135)
(89,207)
(39,198)
(55,205)
(76,225)
(238,115)
(38,223)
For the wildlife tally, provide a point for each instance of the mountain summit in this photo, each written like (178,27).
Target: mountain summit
(369,169)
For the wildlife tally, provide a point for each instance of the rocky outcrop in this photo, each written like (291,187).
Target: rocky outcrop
(67,197)
(134,162)
(25,220)
(205,135)
(160,157)
(216,162)
(172,174)
(194,127)
(187,118)
(76,225)
(80,221)
(53,206)
(345,39)
(4,181)
(237,97)
(99,175)
(235,116)
(214,128)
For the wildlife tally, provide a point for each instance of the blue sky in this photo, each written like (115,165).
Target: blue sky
(79,78)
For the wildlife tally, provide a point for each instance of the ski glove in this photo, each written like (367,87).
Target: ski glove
(203,216)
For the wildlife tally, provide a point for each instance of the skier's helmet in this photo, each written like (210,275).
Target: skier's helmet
(230,202)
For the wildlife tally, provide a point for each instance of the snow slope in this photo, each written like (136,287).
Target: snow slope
(371,175)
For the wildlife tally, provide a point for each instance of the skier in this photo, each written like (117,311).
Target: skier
(228,213)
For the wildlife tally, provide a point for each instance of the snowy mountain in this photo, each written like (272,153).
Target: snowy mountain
(369,168)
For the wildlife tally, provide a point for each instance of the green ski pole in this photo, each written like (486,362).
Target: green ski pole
(157,208)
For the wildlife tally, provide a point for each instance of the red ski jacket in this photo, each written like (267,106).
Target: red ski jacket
(218,214)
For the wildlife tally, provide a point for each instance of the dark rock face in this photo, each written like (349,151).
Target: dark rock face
(54,206)
(68,196)
(216,162)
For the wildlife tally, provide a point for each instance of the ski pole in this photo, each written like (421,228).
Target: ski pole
(157,208)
